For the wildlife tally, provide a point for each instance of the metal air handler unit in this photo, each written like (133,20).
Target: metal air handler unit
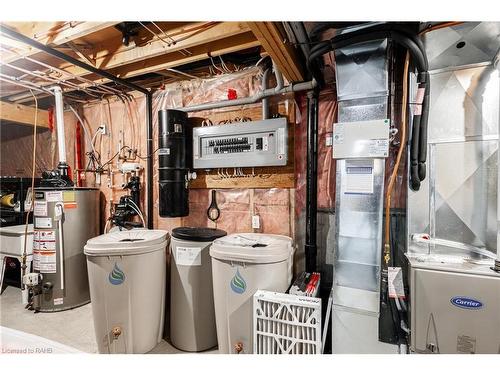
(64,219)
(453,233)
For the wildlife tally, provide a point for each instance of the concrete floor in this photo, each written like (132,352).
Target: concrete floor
(74,328)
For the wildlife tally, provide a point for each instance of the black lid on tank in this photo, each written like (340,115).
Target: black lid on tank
(197,234)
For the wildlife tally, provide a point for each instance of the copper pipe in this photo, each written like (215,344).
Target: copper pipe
(392,180)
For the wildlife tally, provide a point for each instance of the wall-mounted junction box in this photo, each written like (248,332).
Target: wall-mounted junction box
(361,139)
(245,144)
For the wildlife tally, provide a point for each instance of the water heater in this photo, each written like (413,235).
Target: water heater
(64,219)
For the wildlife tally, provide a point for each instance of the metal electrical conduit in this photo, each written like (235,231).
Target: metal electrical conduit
(149,104)
(263,94)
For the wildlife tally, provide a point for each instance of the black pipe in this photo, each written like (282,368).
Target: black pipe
(149,162)
(321,27)
(311,247)
(149,103)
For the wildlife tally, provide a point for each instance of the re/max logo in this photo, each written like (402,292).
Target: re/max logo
(466,303)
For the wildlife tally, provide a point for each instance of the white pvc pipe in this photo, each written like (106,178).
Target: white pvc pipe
(61,143)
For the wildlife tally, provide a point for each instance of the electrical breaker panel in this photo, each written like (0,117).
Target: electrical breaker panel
(245,144)
(361,139)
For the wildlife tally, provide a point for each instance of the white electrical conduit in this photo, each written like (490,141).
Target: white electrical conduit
(26,84)
(53,80)
(92,85)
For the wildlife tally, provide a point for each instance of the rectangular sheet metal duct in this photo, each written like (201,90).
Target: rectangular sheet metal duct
(362,73)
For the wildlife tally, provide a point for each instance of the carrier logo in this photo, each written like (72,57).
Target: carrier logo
(466,303)
(238,283)
(116,276)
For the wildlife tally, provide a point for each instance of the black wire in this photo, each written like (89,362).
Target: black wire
(147,157)
(113,157)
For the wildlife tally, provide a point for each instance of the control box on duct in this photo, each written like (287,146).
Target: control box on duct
(174,162)
(245,144)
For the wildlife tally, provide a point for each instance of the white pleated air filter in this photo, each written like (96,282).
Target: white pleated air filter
(286,324)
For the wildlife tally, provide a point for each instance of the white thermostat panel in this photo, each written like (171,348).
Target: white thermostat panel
(361,139)
(244,144)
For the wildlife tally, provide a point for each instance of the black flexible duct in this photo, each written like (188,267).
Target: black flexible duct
(355,37)
(414,146)
(323,26)
(422,144)
(418,143)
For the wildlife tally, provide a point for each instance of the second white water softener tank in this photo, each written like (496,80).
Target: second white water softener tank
(192,314)
(127,271)
(64,219)
(242,264)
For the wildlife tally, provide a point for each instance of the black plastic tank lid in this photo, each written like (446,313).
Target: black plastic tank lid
(197,234)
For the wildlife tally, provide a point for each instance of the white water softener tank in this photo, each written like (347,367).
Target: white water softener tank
(64,219)
(242,264)
(127,271)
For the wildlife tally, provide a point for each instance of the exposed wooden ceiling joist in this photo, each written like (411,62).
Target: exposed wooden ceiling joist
(23,114)
(199,52)
(54,33)
(272,37)
(193,42)
(112,57)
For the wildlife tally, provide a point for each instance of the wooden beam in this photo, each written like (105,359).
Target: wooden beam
(114,56)
(199,52)
(54,33)
(79,51)
(272,37)
(23,114)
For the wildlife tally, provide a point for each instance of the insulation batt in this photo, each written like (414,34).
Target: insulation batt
(274,206)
